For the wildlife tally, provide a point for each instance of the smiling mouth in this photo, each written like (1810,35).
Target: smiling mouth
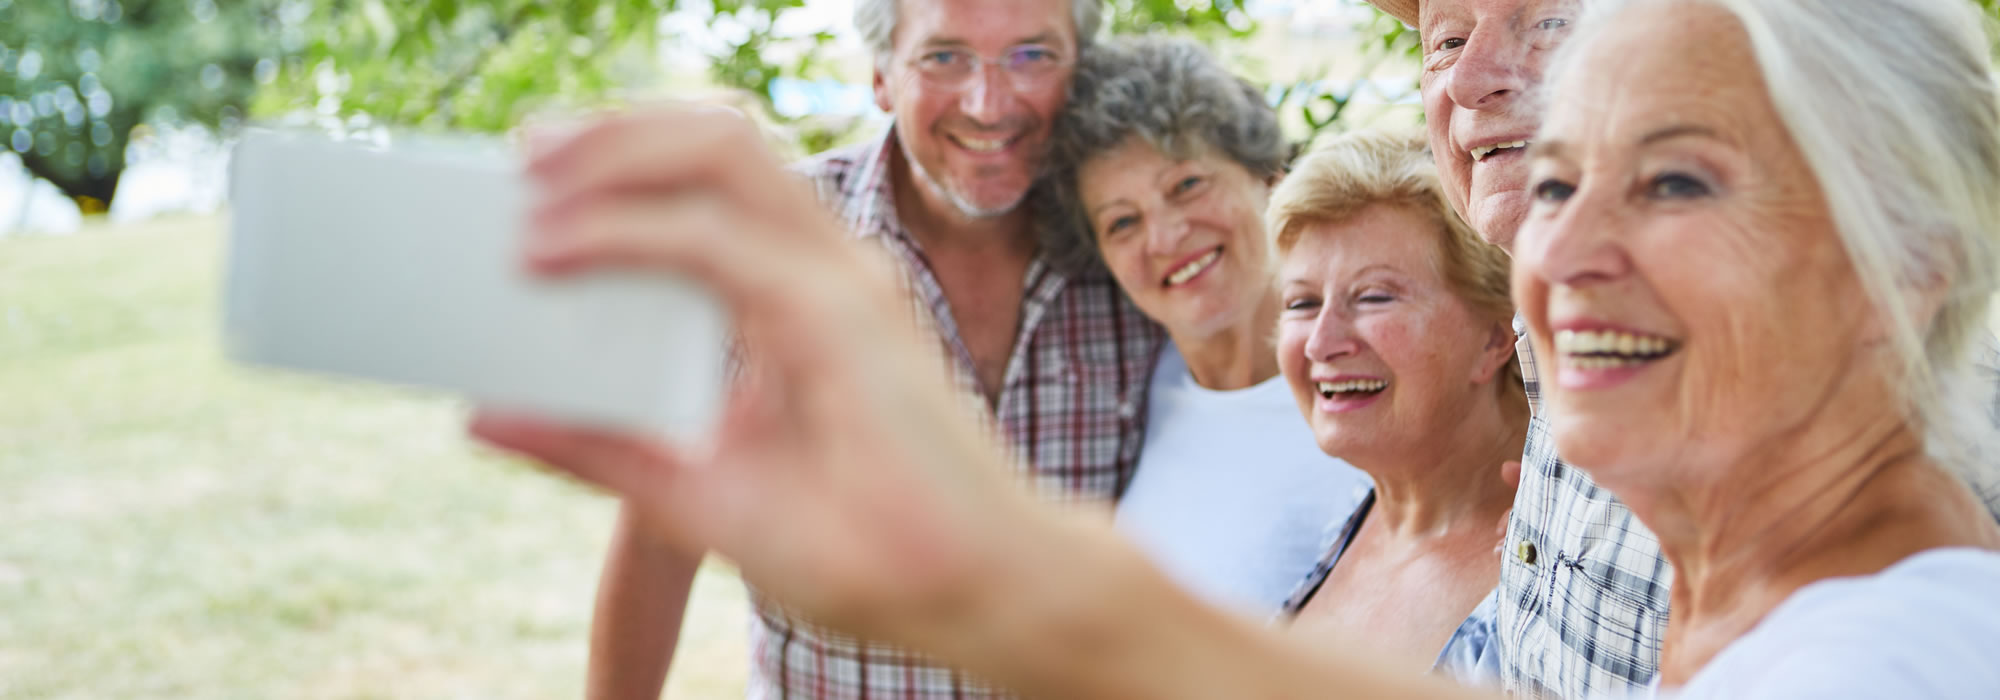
(1482,152)
(1351,388)
(1611,349)
(1194,267)
(976,145)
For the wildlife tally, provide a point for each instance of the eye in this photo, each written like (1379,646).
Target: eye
(1375,298)
(1553,190)
(1187,183)
(940,58)
(1676,186)
(1120,224)
(1552,24)
(1301,304)
(1033,54)
(1450,43)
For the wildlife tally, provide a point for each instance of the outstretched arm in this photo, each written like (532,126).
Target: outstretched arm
(844,480)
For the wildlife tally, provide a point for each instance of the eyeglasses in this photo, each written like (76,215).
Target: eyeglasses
(1026,66)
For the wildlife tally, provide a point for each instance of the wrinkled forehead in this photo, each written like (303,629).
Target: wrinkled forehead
(1383,237)
(1657,61)
(1460,15)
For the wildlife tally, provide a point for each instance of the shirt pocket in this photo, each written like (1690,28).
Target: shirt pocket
(1607,623)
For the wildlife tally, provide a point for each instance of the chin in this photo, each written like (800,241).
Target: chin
(1604,449)
(1498,217)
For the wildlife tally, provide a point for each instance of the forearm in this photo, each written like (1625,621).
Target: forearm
(641,597)
(1086,616)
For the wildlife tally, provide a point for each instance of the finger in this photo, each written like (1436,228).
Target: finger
(631,467)
(1510,472)
(666,149)
(796,300)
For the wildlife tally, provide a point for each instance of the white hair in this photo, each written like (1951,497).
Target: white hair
(1895,106)
(876,20)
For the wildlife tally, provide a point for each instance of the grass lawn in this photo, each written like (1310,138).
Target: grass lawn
(172,526)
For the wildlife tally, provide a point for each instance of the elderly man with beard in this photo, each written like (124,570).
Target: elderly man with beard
(1055,357)
(1582,602)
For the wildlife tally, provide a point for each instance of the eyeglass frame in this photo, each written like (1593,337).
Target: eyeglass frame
(977,65)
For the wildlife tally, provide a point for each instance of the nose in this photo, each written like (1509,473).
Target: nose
(1578,246)
(1332,338)
(1493,68)
(1163,238)
(988,95)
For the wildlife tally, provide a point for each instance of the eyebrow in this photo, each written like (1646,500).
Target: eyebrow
(1042,38)
(1099,209)
(1363,272)
(1676,131)
(1557,148)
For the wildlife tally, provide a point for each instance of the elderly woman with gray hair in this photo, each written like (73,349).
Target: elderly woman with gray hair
(1763,244)
(1168,164)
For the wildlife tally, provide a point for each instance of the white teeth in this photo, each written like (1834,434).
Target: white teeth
(1352,385)
(1194,267)
(1602,349)
(982,145)
(1481,152)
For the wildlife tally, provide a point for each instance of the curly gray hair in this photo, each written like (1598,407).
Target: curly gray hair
(876,20)
(1171,93)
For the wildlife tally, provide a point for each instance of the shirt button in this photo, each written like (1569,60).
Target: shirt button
(1526,552)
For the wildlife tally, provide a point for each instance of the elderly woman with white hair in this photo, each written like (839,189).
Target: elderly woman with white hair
(1762,248)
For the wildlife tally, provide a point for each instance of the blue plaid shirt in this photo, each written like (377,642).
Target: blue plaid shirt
(1583,586)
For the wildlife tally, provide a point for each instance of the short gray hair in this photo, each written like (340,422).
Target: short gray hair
(876,20)
(1895,107)
(1169,92)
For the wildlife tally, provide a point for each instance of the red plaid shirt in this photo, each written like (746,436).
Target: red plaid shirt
(1072,408)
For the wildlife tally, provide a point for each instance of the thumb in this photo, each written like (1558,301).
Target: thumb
(631,467)
(1510,472)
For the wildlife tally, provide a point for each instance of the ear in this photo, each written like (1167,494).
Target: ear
(1498,352)
(883,100)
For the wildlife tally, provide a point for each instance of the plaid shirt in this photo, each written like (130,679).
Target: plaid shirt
(1583,586)
(1070,406)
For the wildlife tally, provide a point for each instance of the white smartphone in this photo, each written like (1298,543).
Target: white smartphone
(401,262)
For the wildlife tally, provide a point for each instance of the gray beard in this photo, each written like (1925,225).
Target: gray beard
(964,206)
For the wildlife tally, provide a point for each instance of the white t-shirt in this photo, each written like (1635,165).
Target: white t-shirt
(1232,497)
(1927,628)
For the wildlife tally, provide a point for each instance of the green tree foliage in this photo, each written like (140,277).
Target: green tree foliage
(76,76)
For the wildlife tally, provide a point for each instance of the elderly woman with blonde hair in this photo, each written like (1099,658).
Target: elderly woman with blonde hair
(1762,248)
(1397,337)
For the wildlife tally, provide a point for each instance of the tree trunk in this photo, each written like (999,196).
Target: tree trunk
(91,193)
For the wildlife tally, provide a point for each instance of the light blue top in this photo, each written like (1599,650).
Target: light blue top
(1469,655)
(1232,497)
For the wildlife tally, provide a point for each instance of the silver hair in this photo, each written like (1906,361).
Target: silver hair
(1170,93)
(1895,106)
(876,20)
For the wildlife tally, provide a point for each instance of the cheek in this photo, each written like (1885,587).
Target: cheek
(1046,103)
(1428,349)
(1292,364)
(1128,266)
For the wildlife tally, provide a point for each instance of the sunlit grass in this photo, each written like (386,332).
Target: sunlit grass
(172,526)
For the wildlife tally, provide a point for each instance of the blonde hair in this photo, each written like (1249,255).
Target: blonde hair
(1341,177)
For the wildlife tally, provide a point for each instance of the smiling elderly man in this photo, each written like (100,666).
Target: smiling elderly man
(1583,587)
(1056,358)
